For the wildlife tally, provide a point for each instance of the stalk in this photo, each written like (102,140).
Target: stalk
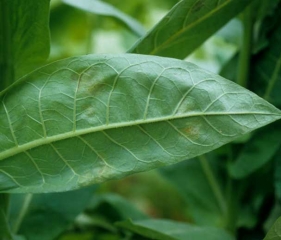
(245,52)
(22,213)
(213,183)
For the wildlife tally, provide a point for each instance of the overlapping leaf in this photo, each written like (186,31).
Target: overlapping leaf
(187,26)
(88,119)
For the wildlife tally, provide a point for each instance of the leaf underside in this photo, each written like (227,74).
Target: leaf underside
(89,119)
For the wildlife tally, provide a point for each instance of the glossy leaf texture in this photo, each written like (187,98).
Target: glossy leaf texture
(275,231)
(103,8)
(162,229)
(187,26)
(24,37)
(92,118)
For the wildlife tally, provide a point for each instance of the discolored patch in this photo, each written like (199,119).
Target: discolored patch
(191,131)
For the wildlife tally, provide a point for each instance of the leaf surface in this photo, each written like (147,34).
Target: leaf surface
(24,41)
(89,119)
(103,8)
(170,230)
(187,26)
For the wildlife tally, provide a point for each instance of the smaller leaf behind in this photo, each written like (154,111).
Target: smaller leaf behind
(187,26)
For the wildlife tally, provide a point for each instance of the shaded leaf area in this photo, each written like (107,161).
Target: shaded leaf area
(189,176)
(103,8)
(277,174)
(187,26)
(47,215)
(258,151)
(267,67)
(117,112)
(266,20)
(5,232)
(170,230)
(24,41)
(114,207)
(101,214)
(225,203)
(275,231)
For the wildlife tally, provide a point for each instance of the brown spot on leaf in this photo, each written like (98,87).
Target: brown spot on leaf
(191,132)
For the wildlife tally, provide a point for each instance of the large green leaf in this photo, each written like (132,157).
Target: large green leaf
(45,216)
(103,8)
(162,229)
(24,37)
(88,119)
(187,26)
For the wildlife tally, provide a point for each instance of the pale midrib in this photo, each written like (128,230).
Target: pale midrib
(48,140)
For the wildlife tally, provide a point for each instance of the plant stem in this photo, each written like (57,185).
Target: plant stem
(245,52)
(213,183)
(23,212)
(7,73)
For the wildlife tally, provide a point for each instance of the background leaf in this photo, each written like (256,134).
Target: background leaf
(24,37)
(187,26)
(114,109)
(258,151)
(170,230)
(103,8)
(189,176)
(267,67)
(48,215)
